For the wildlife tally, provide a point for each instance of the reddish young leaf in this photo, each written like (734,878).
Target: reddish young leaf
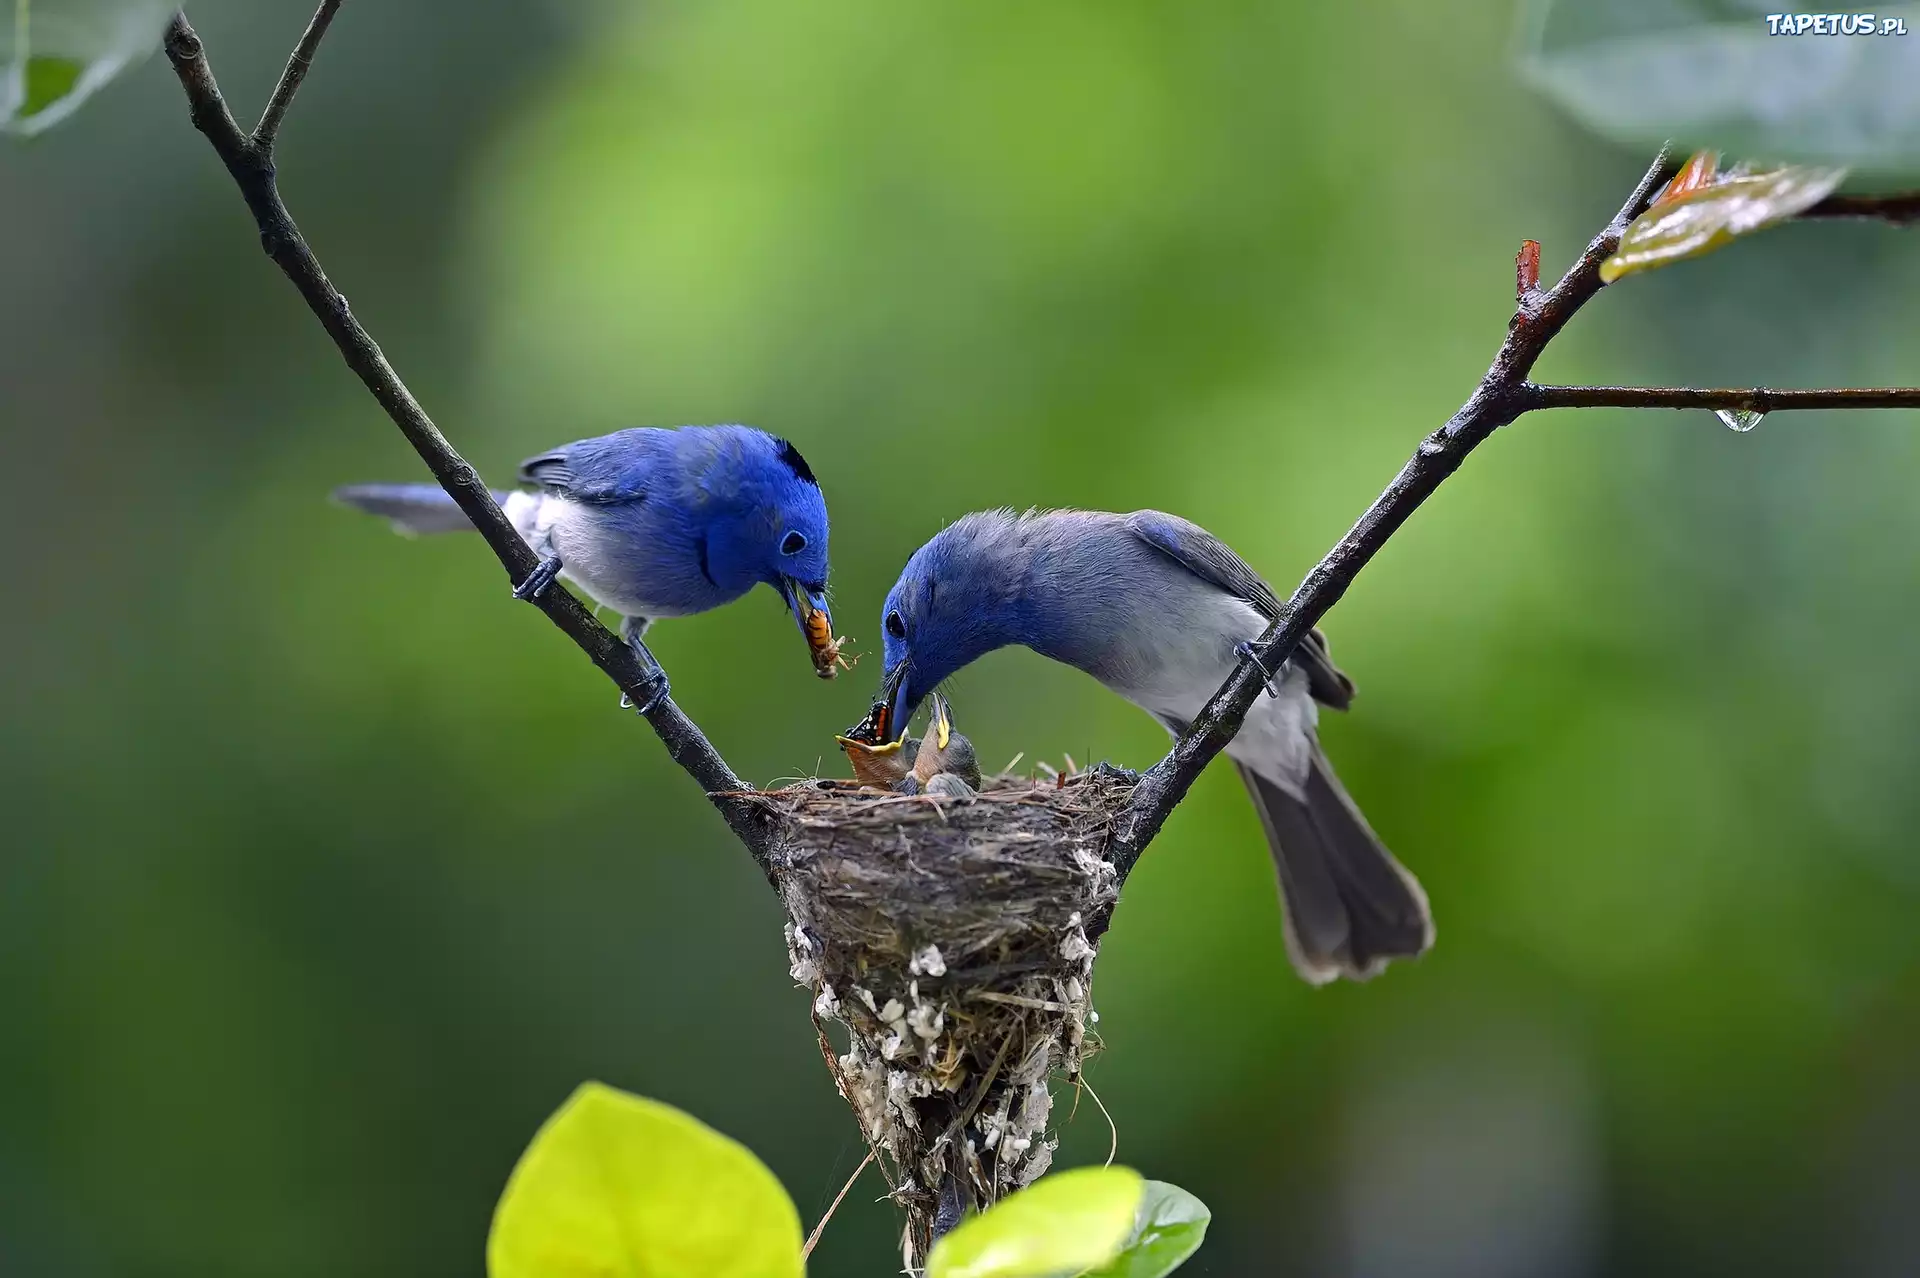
(1700,171)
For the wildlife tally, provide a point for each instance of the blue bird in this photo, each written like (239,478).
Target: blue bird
(653,523)
(1160,611)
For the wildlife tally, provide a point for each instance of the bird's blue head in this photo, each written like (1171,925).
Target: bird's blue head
(960,597)
(779,537)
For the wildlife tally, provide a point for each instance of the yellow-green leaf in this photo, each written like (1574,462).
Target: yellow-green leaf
(1064,1224)
(616,1186)
(1702,220)
(1169,1227)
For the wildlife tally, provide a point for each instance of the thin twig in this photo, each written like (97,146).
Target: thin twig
(297,66)
(1758,399)
(251,164)
(1901,208)
(820,1228)
(1113,1128)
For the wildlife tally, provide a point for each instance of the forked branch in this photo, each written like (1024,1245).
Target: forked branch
(1504,394)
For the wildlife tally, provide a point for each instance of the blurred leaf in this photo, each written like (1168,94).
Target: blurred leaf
(57,53)
(1060,1225)
(616,1186)
(1708,73)
(1702,220)
(1169,1227)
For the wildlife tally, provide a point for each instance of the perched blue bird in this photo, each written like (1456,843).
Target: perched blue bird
(657,523)
(1160,610)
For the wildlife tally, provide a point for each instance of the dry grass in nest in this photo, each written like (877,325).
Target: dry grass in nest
(949,938)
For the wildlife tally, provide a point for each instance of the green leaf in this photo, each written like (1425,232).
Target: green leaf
(1059,1225)
(1707,73)
(55,54)
(1737,203)
(1168,1228)
(616,1186)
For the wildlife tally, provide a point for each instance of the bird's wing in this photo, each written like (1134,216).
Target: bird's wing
(1213,561)
(606,469)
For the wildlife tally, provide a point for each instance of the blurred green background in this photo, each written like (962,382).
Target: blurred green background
(329,872)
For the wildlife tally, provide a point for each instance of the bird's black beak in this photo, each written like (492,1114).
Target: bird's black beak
(896,694)
(809,608)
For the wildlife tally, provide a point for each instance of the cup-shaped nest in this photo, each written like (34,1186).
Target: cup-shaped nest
(950,938)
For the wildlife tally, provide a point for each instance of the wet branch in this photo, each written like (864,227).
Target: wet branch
(1503,395)
(249,158)
(1758,399)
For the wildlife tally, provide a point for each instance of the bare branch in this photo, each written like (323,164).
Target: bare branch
(1503,395)
(1499,398)
(1758,399)
(250,162)
(297,65)
(1898,209)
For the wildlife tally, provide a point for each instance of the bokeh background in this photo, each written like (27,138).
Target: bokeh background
(328,872)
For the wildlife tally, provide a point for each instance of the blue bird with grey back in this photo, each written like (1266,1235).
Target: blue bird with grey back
(1160,611)
(653,522)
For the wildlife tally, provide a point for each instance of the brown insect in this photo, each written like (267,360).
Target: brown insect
(828,659)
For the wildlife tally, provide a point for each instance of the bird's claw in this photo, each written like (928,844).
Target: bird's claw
(1114,772)
(655,683)
(1245,652)
(538,580)
(659,690)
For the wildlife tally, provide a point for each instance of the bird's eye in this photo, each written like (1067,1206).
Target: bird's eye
(794,544)
(895,626)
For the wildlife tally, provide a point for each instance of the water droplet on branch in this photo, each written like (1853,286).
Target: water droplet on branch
(1740,419)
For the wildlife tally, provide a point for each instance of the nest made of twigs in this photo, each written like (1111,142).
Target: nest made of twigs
(949,938)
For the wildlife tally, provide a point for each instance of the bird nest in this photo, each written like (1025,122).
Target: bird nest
(949,937)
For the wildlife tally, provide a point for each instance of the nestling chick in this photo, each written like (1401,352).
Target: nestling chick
(875,760)
(945,763)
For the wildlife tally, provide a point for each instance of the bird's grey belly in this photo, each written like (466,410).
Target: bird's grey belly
(1172,668)
(603,565)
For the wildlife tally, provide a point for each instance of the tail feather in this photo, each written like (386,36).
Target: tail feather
(413,509)
(1349,907)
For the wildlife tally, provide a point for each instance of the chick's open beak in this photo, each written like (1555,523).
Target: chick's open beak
(941,729)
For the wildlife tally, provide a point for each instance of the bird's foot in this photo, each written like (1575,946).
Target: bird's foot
(1245,652)
(538,580)
(655,688)
(1114,772)
(653,685)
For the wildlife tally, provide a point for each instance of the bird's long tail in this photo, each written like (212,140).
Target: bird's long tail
(1349,907)
(415,509)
